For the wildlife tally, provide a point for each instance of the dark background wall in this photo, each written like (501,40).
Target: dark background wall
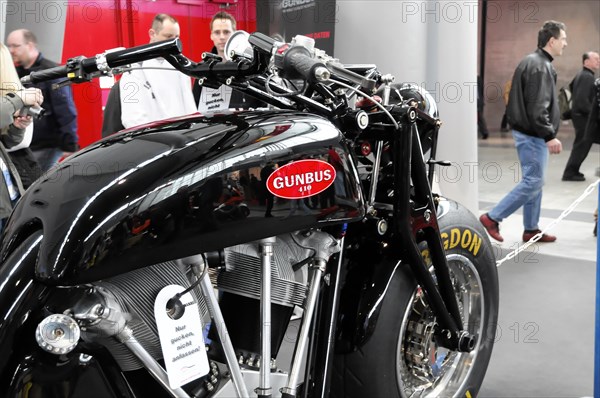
(512,28)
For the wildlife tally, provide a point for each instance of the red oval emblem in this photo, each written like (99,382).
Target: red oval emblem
(301,179)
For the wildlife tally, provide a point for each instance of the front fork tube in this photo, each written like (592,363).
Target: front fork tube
(418,218)
(317,271)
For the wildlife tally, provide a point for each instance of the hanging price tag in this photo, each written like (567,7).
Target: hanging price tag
(181,339)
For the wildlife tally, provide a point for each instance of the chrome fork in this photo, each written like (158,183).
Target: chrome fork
(217,316)
(264,386)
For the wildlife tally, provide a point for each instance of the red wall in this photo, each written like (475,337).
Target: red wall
(93,27)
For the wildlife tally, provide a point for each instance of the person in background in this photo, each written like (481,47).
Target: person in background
(12,130)
(20,154)
(505,94)
(55,134)
(222,25)
(155,90)
(582,100)
(481,123)
(534,116)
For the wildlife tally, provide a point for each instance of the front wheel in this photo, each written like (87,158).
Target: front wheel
(401,358)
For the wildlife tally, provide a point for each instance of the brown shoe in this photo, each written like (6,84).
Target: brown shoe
(527,235)
(491,227)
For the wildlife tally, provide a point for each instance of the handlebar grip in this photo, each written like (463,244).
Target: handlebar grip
(142,53)
(298,59)
(262,42)
(108,60)
(44,75)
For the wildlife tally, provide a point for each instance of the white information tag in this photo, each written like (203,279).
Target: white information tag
(212,100)
(181,339)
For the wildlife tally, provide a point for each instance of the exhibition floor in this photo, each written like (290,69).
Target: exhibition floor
(545,335)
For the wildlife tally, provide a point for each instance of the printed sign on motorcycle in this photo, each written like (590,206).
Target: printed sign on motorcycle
(301,179)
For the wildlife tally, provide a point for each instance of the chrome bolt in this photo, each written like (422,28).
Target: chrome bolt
(85,358)
(382,227)
(427,215)
(362,120)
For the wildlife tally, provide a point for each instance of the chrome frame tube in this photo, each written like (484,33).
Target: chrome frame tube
(378,150)
(307,317)
(126,337)
(375,173)
(264,385)
(217,316)
(331,331)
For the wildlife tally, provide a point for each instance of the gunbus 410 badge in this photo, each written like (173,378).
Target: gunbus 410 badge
(301,179)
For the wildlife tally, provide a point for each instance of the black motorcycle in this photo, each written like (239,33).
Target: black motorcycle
(119,279)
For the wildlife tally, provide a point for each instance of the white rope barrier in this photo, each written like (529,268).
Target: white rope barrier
(538,236)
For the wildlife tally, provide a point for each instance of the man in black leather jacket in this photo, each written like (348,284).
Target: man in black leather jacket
(534,116)
(55,134)
(583,98)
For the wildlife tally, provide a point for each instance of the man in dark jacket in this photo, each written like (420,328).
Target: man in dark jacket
(55,134)
(222,25)
(583,96)
(534,116)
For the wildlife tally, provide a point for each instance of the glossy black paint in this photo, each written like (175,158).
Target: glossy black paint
(43,375)
(371,264)
(20,300)
(158,193)
(25,369)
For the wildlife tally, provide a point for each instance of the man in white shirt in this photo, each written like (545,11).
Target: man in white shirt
(155,90)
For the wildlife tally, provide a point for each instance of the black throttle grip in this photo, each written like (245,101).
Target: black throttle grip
(77,68)
(262,42)
(299,60)
(44,75)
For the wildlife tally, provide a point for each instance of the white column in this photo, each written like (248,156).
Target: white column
(452,70)
(433,44)
(3,5)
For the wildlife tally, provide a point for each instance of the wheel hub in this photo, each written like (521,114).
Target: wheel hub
(425,368)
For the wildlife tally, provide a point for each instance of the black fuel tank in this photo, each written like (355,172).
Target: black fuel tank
(178,188)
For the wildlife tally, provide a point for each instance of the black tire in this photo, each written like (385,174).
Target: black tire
(374,369)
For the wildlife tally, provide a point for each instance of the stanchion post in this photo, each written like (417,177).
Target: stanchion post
(597,334)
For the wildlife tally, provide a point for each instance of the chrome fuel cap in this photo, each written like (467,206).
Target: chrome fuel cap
(57,334)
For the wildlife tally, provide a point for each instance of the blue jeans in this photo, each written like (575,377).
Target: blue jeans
(533,156)
(47,157)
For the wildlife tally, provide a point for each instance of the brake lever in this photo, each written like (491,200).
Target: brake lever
(61,84)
